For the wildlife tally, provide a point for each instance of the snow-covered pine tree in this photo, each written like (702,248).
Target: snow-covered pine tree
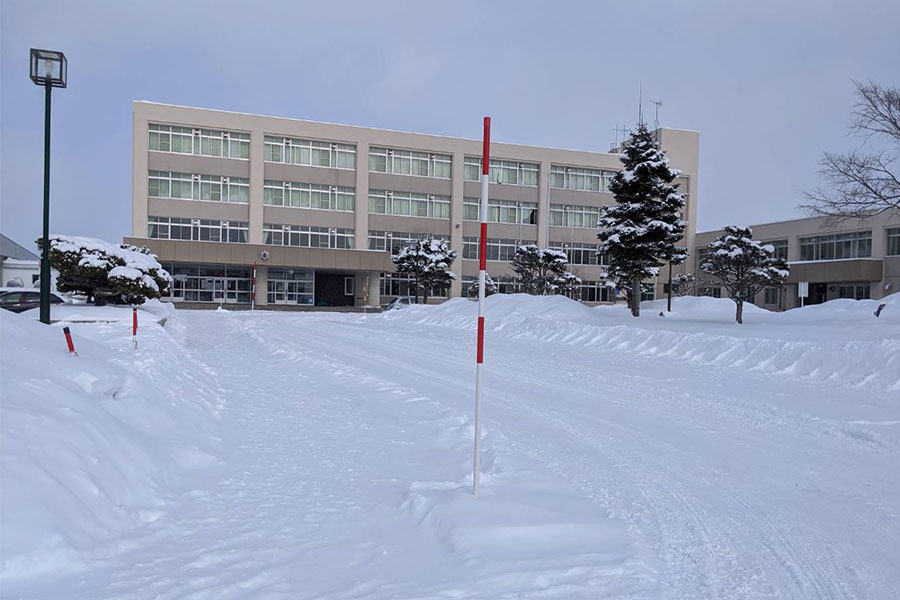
(743,265)
(490,287)
(542,271)
(104,272)
(684,284)
(641,231)
(428,262)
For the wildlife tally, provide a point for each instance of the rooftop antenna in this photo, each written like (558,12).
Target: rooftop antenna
(641,102)
(658,103)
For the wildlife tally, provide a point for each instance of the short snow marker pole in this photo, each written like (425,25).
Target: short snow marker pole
(134,327)
(69,341)
(482,257)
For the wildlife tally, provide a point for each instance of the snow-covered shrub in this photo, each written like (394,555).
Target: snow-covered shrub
(428,262)
(490,287)
(105,272)
(743,265)
(542,271)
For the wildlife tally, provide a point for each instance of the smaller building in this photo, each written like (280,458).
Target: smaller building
(19,267)
(856,258)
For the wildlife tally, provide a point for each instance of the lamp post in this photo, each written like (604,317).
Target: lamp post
(48,69)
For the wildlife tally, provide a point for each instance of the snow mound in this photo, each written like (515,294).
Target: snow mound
(91,444)
(840,341)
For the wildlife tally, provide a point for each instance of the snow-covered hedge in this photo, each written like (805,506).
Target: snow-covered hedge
(105,272)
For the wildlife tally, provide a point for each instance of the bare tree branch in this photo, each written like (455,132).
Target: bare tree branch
(877,111)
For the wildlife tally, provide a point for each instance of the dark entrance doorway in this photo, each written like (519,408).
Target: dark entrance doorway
(335,289)
(818,293)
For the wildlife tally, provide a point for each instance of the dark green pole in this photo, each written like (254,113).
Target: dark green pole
(45,254)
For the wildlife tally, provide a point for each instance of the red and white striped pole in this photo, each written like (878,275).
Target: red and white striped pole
(253,288)
(482,259)
(134,327)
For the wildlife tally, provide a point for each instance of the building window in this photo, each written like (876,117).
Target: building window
(781,248)
(577,178)
(498,249)
(408,162)
(501,211)
(209,283)
(838,246)
(854,291)
(291,286)
(197,230)
(203,142)
(505,285)
(186,186)
(396,284)
(580,253)
(409,204)
(309,153)
(648,292)
(712,292)
(893,242)
(562,215)
(502,171)
(379,240)
(595,291)
(308,195)
(307,236)
(772,296)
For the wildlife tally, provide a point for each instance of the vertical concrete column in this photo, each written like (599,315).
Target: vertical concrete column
(372,279)
(543,230)
(361,210)
(262,285)
(257,182)
(457,193)
(139,173)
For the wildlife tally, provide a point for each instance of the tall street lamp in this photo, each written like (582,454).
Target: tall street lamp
(47,68)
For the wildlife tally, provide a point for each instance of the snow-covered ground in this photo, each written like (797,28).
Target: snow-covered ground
(323,455)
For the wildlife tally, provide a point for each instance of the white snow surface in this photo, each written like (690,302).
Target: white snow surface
(324,455)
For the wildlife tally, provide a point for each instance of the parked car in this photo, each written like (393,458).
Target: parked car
(401,302)
(21,299)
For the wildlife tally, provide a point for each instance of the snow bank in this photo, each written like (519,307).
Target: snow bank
(157,312)
(840,341)
(92,444)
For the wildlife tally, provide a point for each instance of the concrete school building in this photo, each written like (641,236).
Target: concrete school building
(320,208)
(857,258)
(19,266)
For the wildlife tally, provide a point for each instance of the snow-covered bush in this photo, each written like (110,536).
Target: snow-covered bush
(490,287)
(743,265)
(105,272)
(641,232)
(542,271)
(428,262)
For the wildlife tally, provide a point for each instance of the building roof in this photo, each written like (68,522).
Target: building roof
(10,249)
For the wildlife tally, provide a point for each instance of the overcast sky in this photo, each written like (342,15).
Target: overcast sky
(767,84)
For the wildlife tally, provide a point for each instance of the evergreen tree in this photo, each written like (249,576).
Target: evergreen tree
(542,271)
(490,287)
(428,262)
(641,231)
(104,272)
(743,265)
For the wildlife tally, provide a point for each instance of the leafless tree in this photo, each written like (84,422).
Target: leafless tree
(866,180)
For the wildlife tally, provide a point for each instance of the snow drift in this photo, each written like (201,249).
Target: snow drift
(840,341)
(92,444)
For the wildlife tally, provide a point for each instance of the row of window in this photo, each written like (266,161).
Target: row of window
(562,215)
(309,152)
(856,244)
(501,211)
(408,162)
(577,178)
(186,186)
(309,195)
(502,171)
(197,230)
(498,249)
(291,286)
(397,284)
(202,142)
(308,236)
(397,240)
(580,253)
(409,204)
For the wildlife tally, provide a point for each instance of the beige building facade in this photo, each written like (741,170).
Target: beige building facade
(319,208)
(856,258)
